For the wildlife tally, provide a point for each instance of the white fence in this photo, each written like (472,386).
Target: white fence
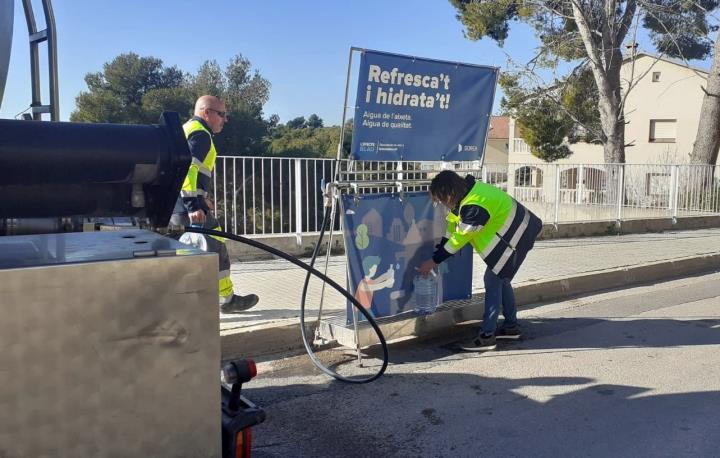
(266,196)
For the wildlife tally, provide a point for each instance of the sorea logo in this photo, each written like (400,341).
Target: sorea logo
(462,148)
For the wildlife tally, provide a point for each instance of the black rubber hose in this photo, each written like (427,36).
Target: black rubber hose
(320,275)
(303,298)
(306,342)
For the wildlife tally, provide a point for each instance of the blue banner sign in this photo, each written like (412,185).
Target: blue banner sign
(415,109)
(386,240)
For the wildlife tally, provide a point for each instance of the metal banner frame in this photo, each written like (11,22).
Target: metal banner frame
(352,181)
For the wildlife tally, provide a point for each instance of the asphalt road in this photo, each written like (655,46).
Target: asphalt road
(625,373)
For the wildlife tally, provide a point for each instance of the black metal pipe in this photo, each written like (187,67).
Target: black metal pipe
(26,226)
(66,169)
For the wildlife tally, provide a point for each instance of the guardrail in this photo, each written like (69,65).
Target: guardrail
(264,196)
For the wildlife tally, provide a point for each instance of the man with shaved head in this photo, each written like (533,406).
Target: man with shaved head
(194,205)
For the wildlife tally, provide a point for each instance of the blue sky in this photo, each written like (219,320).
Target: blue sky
(300,47)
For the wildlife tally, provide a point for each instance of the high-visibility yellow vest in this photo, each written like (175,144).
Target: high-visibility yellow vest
(204,167)
(497,203)
(504,240)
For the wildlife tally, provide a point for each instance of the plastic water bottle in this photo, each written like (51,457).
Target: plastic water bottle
(426,294)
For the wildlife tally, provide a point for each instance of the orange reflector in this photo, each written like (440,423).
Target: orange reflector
(243,443)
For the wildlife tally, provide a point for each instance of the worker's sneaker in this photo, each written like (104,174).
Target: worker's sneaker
(480,343)
(238,304)
(508,333)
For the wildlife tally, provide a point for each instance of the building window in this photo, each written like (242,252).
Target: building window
(569,178)
(655,77)
(663,130)
(528,177)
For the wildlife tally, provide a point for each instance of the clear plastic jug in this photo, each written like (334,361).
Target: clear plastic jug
(426,294)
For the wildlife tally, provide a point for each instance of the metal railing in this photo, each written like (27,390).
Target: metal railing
(270,195)
(519,146)
(280,196)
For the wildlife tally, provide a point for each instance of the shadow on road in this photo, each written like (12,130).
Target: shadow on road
(411,412)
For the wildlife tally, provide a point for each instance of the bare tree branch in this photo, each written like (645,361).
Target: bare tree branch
(585,31)
(549,91)
(544,6)
(631,82)
(626,21)
(607,38)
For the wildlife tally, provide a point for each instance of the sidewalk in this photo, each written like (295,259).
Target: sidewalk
(552,263)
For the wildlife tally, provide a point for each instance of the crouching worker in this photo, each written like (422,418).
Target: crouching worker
(501,230)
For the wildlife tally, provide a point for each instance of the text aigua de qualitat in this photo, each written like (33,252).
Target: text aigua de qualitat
(397,96)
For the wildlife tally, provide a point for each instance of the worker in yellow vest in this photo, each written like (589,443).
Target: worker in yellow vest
(194,205)
(501,230)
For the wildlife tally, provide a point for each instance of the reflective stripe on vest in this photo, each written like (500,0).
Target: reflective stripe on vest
(201,167)
(512,244)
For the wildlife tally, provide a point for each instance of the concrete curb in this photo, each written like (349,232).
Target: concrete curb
(283,336)
(263,339)
(563,288)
